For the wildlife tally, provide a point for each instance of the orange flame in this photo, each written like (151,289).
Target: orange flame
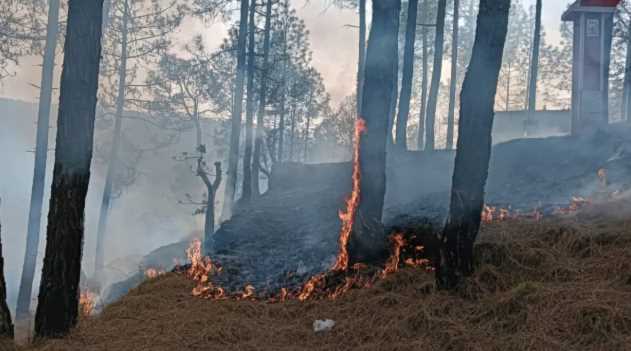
(310,286)
(152,273)
(352,202)
(392,265)
(87,302)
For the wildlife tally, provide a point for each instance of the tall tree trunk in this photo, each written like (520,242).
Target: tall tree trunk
(41,156)
(395,95)
(408,75)
(307,127)
(292,133)
(474,144)
(454,77)
(508,82)
(237,109)
(626,103)
(246,194)
(361,62)
(380,76)
(59,288)
(283,100)
(432,103)
(112,167)
(425,77)
(260,115)
(211,187)
(534,68)
(6,325)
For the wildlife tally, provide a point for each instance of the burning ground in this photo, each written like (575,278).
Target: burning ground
(562,283)
(291,233)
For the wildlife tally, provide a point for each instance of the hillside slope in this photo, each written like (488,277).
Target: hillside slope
(560,284)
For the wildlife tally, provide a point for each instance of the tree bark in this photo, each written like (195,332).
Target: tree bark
(41,157)
(6,325)
(408,75)
(281,119)
(626,102)
(395,95)
(307,127)
(209,219)
(246,193)
(260,116)
(106,200)
(59,288)
(534,68)
(292,133)
(237,109)
(432,103)
(454,77)
(380,76)
(425,77)
(361,62)
(474,144)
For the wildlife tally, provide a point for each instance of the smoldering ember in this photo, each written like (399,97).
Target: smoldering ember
(315,175)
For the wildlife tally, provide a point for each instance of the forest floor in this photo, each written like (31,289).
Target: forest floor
(563,283)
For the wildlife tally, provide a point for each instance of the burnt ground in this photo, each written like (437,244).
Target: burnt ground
(291,232)
(560,284)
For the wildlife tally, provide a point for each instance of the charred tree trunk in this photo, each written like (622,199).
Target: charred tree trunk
(534,68)
(246,193)
(361,62)
(432,103)
(260,115)
(454,77)
(6,325)
(41,157)
(408,75)
(380,76)
(237,109)
(425,77)
(59,288)
(474,144)
(112,167)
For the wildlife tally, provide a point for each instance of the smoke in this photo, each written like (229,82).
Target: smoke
(147,215)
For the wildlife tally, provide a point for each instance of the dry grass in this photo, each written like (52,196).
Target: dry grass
(563,284)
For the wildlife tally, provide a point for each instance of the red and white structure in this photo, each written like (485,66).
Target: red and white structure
(593,30)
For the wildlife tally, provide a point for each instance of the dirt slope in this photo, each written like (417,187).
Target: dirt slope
(560,284)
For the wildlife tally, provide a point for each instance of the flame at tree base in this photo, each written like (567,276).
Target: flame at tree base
(352,203)
(330,284)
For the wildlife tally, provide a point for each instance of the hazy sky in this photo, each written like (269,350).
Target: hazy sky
(334,46)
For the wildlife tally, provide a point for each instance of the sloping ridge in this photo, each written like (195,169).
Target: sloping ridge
(560,284)
(291,232)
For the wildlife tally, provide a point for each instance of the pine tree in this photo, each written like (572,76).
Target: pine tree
(138,34)
(432,103)
(41,156)
(58,302)
(474,145)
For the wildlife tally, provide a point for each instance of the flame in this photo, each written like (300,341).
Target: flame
(248,292)
(352,202)
(199,271)
(310,286)
(487,214)
(87,302)
(152,273)
(392,265)
(602,177)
